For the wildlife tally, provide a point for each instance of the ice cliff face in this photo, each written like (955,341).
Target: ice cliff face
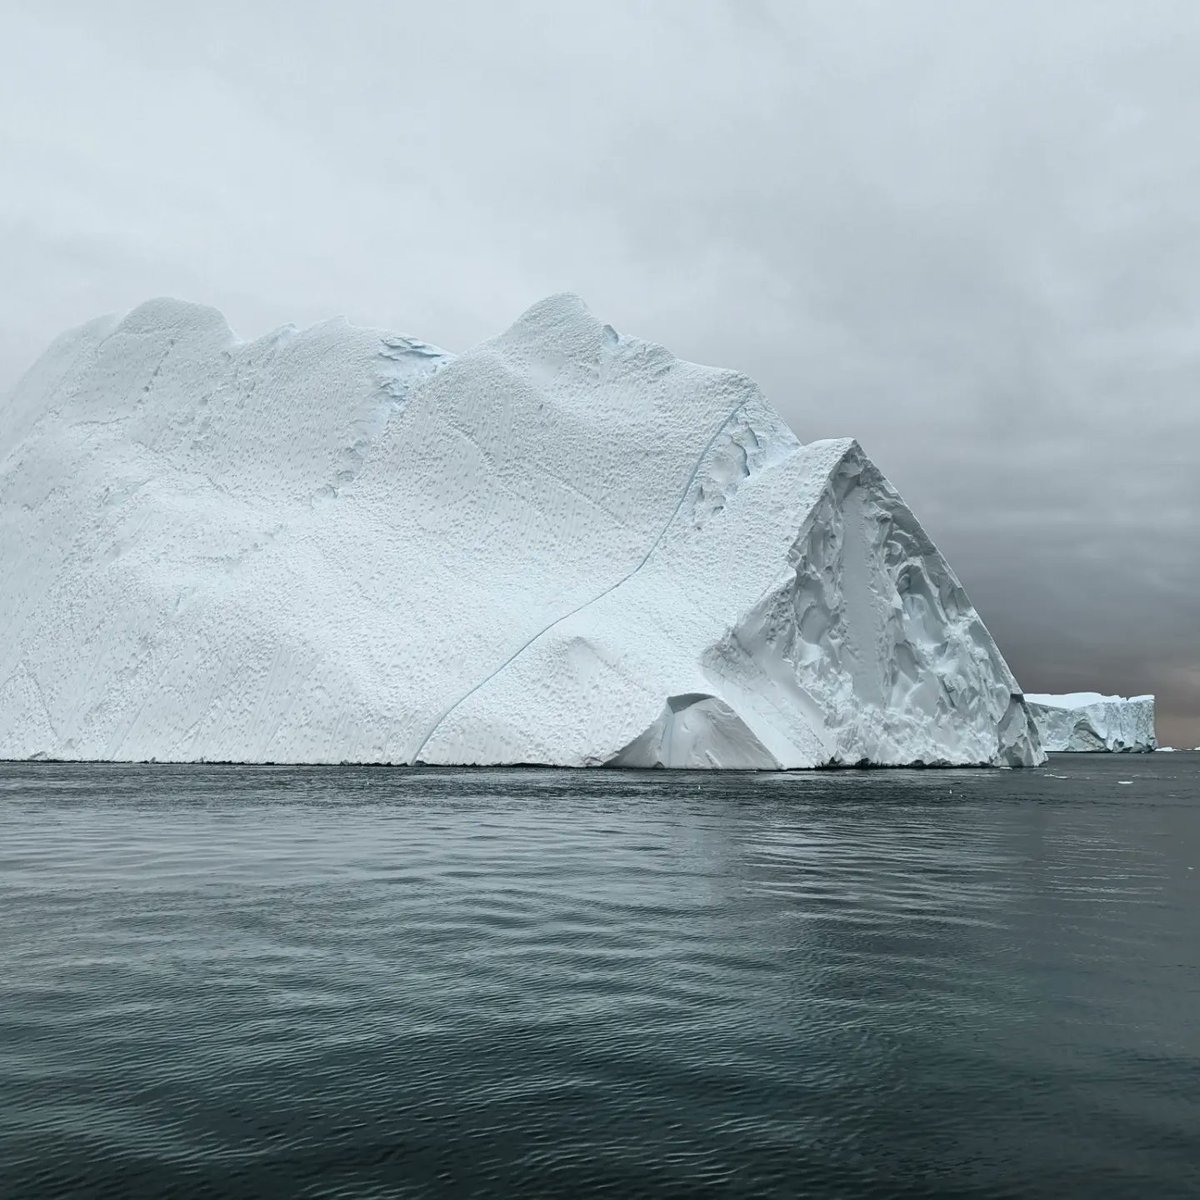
(564,547)
(1088,721)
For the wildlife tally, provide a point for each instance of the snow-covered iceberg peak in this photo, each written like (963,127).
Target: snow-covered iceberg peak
(565,546)
(1084,721)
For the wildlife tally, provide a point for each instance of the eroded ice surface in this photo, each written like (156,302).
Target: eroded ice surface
(565,546)
(1082,721)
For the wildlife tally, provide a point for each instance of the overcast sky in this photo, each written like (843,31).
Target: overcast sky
(966,233)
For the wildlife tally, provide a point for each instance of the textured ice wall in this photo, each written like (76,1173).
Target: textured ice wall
(565,546)
(1083,721)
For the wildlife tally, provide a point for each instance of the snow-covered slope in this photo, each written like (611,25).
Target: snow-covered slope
(1090,721)
(565,546)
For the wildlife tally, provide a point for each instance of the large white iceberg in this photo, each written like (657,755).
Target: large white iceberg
(563,547)
(1081,721)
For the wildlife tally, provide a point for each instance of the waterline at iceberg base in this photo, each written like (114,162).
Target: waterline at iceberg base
(564,547)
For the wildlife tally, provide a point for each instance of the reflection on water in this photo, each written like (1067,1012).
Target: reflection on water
(254,981)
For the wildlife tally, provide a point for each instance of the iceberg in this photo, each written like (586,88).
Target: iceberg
(563,547)
(1082,721)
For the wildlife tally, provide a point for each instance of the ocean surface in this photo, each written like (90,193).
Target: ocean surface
(231,981)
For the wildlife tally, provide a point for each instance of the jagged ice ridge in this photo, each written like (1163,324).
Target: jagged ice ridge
(565,546)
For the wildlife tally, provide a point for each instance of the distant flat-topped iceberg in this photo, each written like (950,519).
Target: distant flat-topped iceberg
(1083,721)
(563,547)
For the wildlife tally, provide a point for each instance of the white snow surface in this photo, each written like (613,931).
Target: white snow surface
(563,547)
(1083,721)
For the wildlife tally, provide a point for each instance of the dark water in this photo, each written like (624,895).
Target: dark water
(359,982)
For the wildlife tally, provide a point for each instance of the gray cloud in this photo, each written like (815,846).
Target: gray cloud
(967,233)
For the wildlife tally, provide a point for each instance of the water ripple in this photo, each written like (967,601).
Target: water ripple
(353,982)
